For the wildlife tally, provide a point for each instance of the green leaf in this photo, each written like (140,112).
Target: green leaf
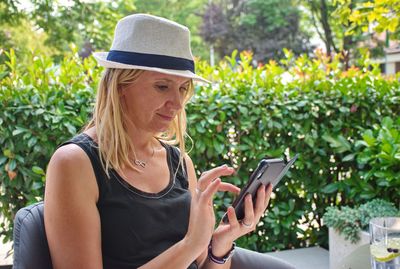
(387,122)
(37,186)
(301,103)
(364,157)
(243,110)
(369,138)
(3,159)
(70,127)
(387,148)
(330,188)
(200,129)
(38,170)
(219,148)
(339,143)
(19,130)
(39,111)
(291,204)
(8,153)
(12,165)
(349,157)
(32,141)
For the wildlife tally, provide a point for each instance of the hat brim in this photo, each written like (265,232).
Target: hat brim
(101,58)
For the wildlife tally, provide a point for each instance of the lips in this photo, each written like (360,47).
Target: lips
(166,117)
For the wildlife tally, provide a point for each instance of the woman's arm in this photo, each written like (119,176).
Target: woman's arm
(70,214)
(225,234)
(195,187)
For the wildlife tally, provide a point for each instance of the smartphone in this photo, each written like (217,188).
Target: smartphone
(268,171)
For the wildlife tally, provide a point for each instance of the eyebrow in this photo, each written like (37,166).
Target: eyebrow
(170,80)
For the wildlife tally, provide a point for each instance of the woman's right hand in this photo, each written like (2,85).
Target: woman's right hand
(202,218)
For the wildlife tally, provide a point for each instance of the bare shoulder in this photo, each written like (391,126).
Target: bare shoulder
(70,167)
(68,154)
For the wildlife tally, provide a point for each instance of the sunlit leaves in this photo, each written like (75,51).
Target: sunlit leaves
(378,15)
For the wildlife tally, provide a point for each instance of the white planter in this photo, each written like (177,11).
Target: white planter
(339,248)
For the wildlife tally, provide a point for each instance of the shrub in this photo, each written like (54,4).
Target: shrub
(41,105)
(350,221)
(379,158)
(305,106)
(302,105)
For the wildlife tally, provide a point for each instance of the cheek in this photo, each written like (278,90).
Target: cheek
(130,106)
(140,109)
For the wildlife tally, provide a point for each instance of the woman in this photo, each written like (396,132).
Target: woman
(119,195)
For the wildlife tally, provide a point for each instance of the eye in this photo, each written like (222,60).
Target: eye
(162,87)
(184,89)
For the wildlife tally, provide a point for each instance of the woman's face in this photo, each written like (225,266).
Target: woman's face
(154,100)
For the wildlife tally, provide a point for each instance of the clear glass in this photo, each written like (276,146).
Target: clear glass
(385,243)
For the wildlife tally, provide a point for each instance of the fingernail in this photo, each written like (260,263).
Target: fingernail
(225,166)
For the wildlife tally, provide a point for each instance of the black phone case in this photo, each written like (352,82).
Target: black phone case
(267,171)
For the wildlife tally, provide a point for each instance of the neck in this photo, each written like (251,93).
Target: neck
(143,142)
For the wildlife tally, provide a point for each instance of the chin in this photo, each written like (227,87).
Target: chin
(160,126)
(161,129)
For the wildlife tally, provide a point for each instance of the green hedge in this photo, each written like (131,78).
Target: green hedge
(344,125)
(41,105)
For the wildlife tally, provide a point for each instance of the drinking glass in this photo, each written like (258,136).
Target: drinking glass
(385,243)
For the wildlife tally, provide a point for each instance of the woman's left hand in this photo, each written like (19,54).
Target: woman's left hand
(226,233)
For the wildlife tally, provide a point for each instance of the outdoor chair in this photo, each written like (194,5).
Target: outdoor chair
(30,243)
(31,249)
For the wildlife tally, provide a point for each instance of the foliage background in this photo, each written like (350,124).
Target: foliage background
(344,125)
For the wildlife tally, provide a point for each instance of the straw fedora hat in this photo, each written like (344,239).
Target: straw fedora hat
(151,43)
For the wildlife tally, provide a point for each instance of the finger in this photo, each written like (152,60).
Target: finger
(222,170)
(199,191)
(248,220)
(260,203)
(211,189)
(268,193)
(207,177)
(232,218)
(228,187)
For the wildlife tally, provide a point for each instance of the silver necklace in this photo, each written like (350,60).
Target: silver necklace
(142,163)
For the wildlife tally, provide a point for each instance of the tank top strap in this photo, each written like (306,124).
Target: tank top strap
(177,165)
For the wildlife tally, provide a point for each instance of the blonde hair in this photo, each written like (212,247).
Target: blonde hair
(113,141)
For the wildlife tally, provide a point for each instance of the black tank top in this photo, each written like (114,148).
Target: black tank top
(137,226)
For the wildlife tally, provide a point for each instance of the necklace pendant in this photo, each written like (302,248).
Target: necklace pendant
(140,163)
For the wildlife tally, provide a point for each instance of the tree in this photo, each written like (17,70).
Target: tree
(79,22)
(9,11)
(188,13)
(374,15)
(24,41)
(325,17)
(262,26)
(89,25)
(324,24)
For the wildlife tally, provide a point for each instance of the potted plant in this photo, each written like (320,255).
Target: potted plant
(348,227)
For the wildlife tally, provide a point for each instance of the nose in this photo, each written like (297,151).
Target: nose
(175,100)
